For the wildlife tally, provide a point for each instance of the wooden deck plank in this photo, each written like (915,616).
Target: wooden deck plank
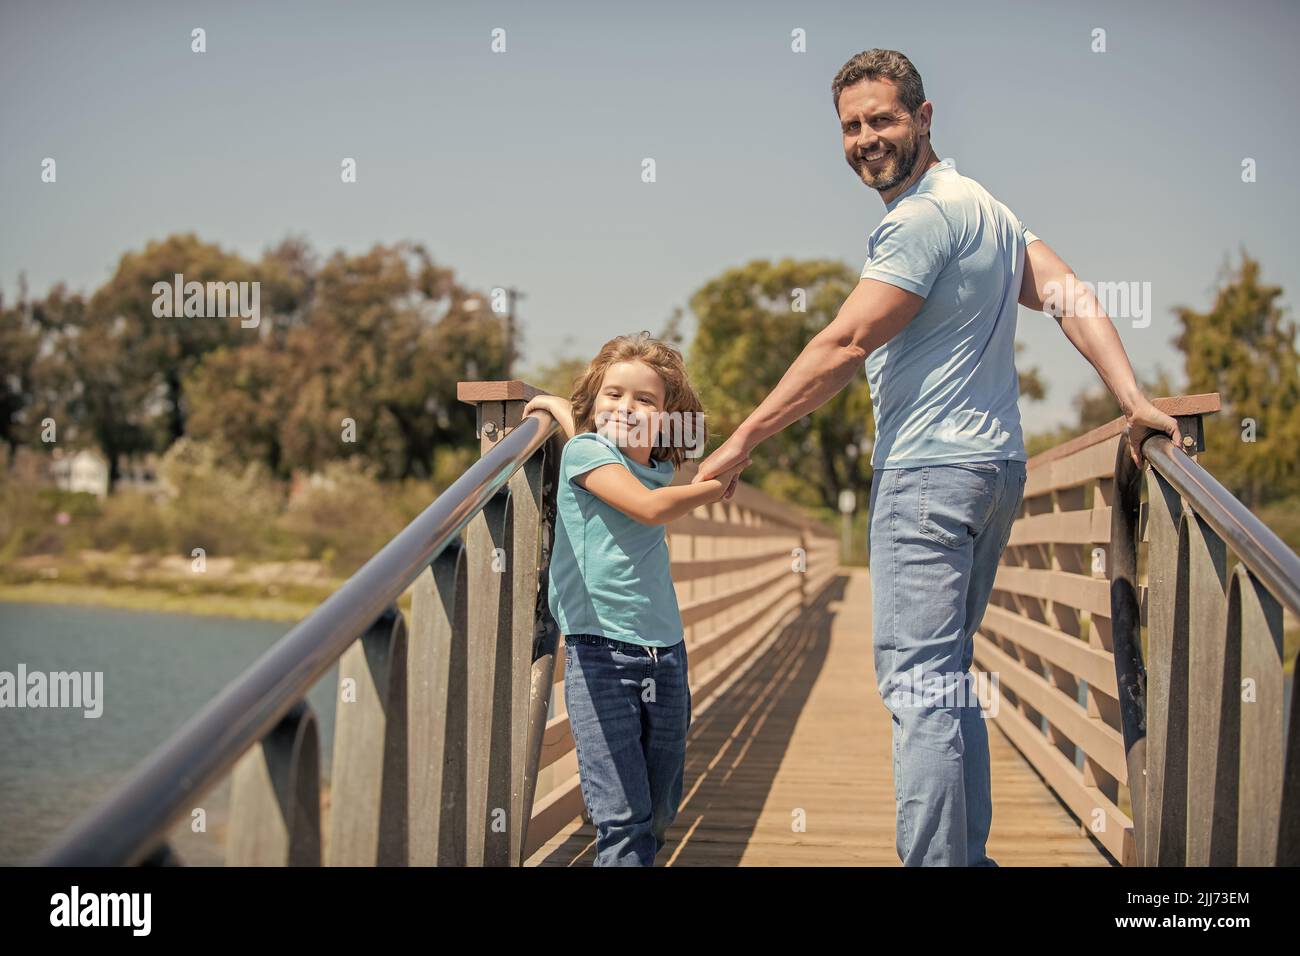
(802,735)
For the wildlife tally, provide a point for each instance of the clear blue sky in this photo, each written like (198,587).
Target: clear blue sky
(524,168)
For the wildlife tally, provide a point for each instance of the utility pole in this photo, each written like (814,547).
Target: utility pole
(513,295)
(848,502)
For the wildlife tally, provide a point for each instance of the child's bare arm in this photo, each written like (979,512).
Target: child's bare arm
(559,409)
(619,488)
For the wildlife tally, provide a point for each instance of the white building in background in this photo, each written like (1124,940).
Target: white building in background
(84,470)
(87,471)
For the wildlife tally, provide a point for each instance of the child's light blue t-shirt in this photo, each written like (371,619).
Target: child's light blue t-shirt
(945,388)
(610,574)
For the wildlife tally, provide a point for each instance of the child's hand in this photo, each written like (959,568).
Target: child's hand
(724,460)
(546,402)
(559,408)
(729,478)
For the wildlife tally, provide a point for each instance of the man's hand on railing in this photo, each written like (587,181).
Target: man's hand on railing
(1145,419)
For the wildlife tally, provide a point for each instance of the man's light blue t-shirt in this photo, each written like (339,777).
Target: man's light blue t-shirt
(610,574)
(945,388)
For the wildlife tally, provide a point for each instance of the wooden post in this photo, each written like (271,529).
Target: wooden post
(275,797)
(436,678)
(1166,706)
(368,797)
(1254,627)
(543,645)
(1200,616)
(504,549)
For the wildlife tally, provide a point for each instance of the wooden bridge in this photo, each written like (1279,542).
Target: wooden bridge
(1119,641)
(791,765)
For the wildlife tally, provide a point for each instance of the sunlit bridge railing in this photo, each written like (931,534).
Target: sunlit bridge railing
(1119,636)
(453,747)
(1210,722)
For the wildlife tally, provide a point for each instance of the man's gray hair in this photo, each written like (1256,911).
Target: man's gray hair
(882,64)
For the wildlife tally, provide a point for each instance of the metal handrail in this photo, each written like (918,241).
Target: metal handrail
(1263,553)
(132,820)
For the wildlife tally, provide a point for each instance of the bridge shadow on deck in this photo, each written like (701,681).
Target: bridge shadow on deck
(736,746)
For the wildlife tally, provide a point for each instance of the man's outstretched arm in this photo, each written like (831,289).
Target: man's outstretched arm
(1049,284)
(873,314)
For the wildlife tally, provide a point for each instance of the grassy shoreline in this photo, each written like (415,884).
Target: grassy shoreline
(266,592)
(132,598)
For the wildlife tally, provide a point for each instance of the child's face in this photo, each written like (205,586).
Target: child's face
(628,405)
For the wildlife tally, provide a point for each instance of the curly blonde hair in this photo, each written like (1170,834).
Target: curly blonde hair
(679,396)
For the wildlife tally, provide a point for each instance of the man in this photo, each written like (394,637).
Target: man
(934,317)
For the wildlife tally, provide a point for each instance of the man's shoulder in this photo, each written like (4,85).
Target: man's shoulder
(946,192)
(916,212)
(961,201)
(957,191)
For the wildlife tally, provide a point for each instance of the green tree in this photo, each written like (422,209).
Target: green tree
(379,338)
(161,350)
(84,379)
(1244,350)
(240,401)
(751,323)
(1031,381)
(288,276)
(20,343)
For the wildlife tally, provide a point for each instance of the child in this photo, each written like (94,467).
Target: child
(611,591)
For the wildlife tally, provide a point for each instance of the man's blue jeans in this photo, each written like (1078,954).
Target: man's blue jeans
(937,534)
(629,708)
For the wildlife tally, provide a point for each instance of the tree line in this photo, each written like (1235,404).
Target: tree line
(359,355)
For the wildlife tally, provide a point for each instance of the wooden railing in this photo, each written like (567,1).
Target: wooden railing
(445,729)
(1062,641)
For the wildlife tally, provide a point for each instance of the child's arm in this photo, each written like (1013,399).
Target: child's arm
(619,488)
(560,409)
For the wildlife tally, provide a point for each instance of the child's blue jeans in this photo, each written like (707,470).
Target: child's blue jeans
(629,709)
(937,534)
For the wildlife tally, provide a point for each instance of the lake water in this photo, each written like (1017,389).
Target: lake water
(159,669)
